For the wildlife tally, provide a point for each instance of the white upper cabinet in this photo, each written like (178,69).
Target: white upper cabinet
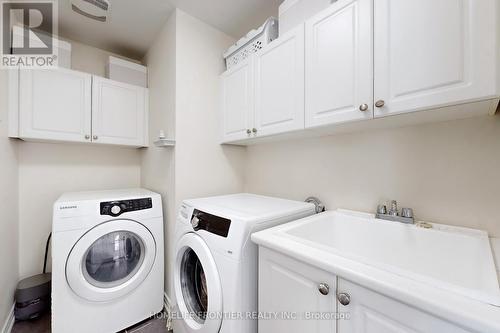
(70,106)
(55,104)
(238,101)
(119,113)
(339,66)
(279,85)
(431,53)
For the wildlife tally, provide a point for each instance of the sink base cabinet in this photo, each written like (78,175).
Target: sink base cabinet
(293,290)
(290,289)
(370,312)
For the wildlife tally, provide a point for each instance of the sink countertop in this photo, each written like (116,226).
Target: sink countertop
(465,311)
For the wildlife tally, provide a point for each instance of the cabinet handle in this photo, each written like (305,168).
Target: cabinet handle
(324,289)
(87,137)
(95,137)
(363,107)
(344,298)
(380,103)
(249,131)
(254,130)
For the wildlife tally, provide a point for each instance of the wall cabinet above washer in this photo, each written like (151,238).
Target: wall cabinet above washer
(119,113)
(339,66)
(64,105)
(369,59)
(264,95)
(55,105)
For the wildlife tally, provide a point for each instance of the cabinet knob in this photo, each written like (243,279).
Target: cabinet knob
(324,289)
(380,103)
(87,137)
(344,298)
(249,131)
(95,137)
(254,130)
(363,107)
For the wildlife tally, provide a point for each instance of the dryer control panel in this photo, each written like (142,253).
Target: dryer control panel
(211,223)
(116,208)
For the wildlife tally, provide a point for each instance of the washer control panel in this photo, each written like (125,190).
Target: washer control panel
(116,208)
(211,223)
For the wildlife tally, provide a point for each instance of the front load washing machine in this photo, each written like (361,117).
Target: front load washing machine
(107,260)
(215,263)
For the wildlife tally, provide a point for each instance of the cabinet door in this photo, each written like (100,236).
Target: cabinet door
(433,53)
(290,289)
(119,113)
(237,102)
(339,64)
(370,312)
(279,85)
(54,104)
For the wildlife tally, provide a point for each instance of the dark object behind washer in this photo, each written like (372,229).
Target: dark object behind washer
(32,296)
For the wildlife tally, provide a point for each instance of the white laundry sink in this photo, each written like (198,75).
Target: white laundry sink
(456,259)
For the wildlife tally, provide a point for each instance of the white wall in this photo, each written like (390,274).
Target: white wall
(8,209)
(89,59)
(448,172)
(158,164)
(203,166)
(47,170)
(185,63)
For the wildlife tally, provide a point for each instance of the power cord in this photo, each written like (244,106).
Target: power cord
(46,252)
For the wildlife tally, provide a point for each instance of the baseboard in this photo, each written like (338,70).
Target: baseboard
(167,304)
(9,321)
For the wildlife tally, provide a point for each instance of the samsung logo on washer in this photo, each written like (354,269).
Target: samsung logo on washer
(68,207)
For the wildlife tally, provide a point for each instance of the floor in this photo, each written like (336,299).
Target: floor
(42,325)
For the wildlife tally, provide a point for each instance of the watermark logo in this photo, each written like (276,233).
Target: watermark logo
(27,34)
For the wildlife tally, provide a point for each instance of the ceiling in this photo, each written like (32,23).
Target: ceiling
(133,25)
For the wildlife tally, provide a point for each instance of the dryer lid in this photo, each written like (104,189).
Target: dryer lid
(250,207)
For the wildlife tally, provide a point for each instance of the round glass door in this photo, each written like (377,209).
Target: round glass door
(194,285)
(113,259)
(197,285)
(110,260)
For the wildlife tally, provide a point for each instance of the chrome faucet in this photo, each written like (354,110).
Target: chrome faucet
(406,215)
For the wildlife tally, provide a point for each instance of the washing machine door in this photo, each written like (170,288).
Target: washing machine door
(110,260)
(197,286)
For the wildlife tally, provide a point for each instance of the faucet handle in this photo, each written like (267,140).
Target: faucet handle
(382,209)
(394,208)
(407,212)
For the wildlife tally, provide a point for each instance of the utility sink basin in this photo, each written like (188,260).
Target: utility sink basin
(456,259)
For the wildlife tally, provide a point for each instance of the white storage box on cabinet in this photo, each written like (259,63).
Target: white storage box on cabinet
(238,101)
(55,105)
(430,54)
(293,13)
(127,72)
(339,66)
(279,85)
(119,113)
(253,42)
